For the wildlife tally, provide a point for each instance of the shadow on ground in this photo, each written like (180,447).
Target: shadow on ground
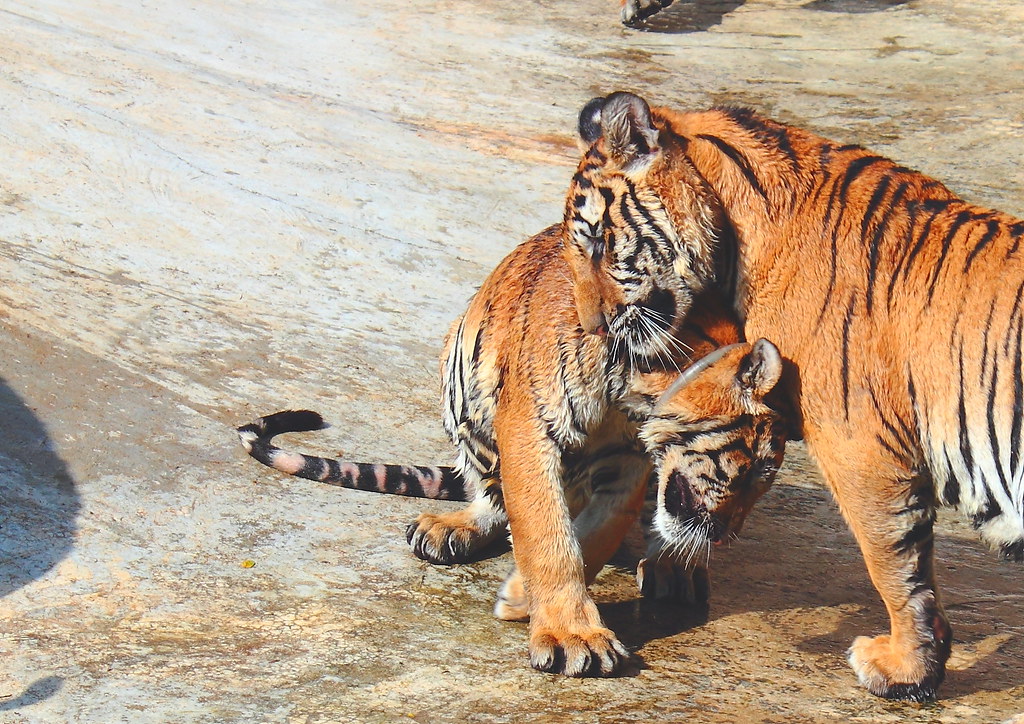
(38,505)
(36,692)
(691,16)
(694,16)
(39,501)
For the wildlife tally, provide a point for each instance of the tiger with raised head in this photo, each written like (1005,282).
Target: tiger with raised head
(898,306)
(545,420)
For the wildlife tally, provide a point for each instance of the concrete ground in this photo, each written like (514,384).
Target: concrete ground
(215,210)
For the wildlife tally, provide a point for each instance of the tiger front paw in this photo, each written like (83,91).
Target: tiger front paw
(910,675)
(445,539)
(586,652)
(512,603)
(663,578)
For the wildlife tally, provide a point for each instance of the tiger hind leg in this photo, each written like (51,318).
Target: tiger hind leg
(891,511)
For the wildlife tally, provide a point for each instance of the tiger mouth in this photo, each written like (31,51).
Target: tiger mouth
(692,540)
(645,329)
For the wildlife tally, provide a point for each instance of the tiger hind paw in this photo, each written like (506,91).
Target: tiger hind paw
(446,539)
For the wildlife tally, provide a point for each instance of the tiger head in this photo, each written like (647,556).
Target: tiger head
(639,245)
(716,445)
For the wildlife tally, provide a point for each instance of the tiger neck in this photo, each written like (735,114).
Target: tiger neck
(756,185)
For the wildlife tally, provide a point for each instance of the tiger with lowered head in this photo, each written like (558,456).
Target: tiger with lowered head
(556,432)
(899,306)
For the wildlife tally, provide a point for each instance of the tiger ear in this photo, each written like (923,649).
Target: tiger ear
(629,132)
(590,120)
(760,369)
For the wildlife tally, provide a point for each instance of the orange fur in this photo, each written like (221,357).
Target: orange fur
(542,414)
(876,282)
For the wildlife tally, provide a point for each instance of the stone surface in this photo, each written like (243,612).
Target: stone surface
(216,211)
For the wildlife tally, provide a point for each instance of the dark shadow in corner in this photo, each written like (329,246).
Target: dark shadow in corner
(690,16)
(38,500)
(37,691)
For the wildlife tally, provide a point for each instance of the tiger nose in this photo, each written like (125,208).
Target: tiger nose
(595,323)
(680,501)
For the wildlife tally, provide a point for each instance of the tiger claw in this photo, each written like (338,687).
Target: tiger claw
(597,653)
(435,541)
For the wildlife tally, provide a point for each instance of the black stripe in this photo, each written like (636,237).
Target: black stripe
(912,210)
(876,240)
(456,380)
(916,539)
(993,229)
(1016,302)
(961,218)
(767,132)
(921,239)
(855,169)
(900,435)
(393,478)
(741,163)
(1018,402)
(993,438)
(1016,232)
(551,432)
(965,442)
(898,455)
(951,490)
(582,182)
(985,346)
(873,203)
(991,510)
(658,233)
(824,166)
(826,302)
(847,322)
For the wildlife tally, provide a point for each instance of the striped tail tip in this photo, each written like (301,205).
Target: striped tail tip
(284,421)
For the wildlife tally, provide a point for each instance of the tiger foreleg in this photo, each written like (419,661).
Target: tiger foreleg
(892,518)
(664,573)
(567,635)
(599,528)
(663,576)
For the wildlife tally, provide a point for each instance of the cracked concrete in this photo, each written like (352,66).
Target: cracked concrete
(213,212)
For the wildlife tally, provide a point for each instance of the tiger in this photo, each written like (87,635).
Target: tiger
(557,432)
(896,305)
